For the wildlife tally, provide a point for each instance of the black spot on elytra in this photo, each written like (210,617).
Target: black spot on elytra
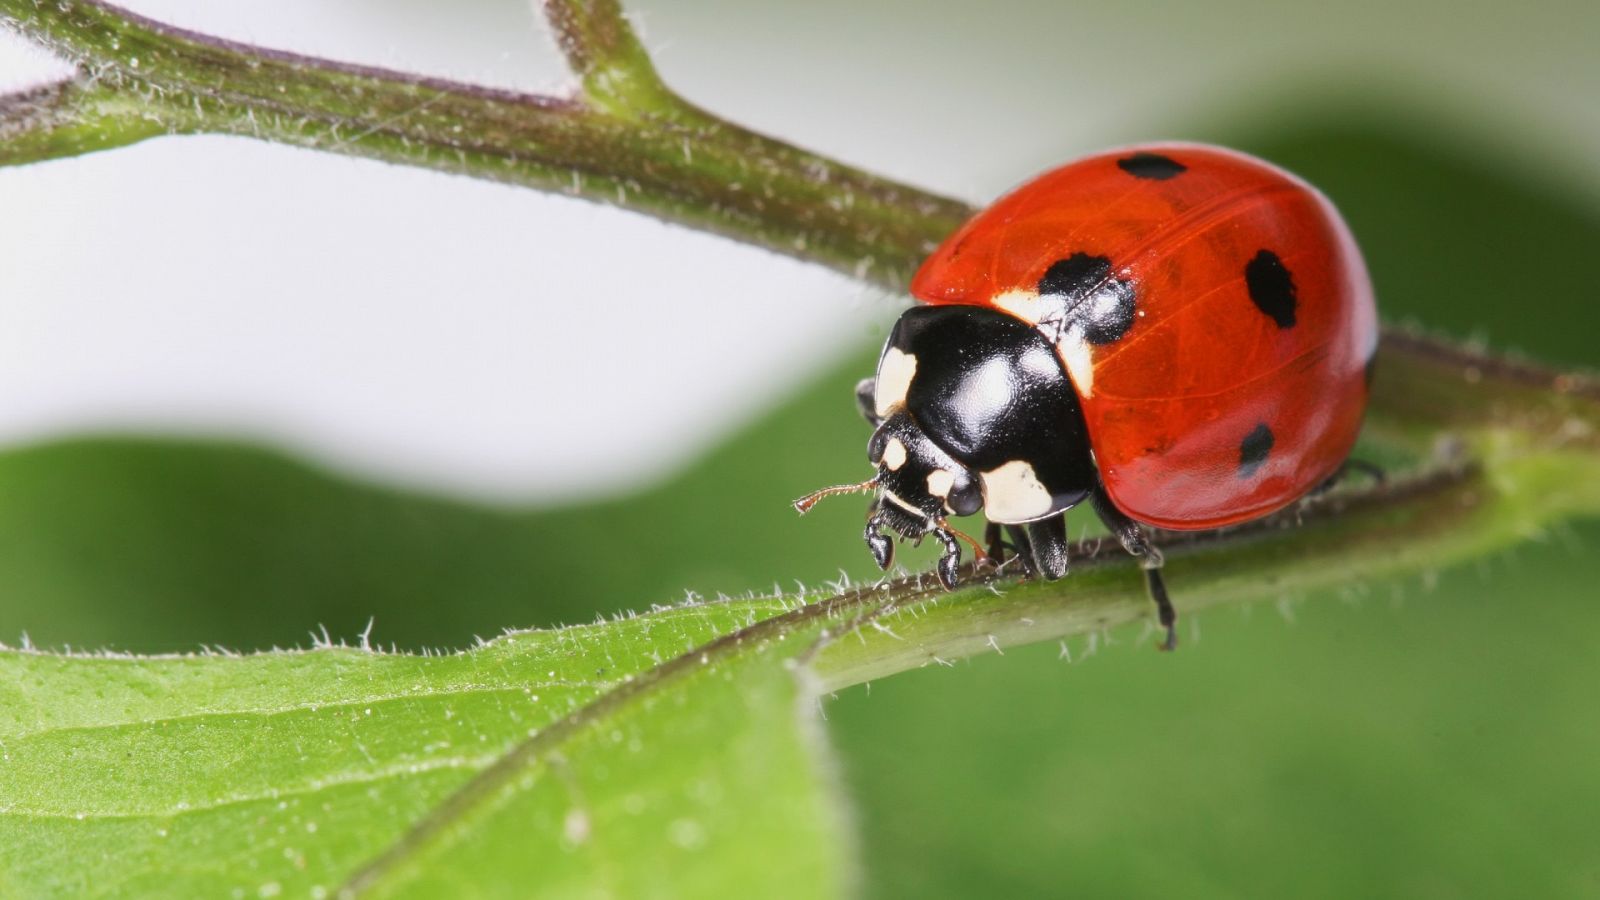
(1271,287)
(1153,166)
(1254,448)
(1102,306)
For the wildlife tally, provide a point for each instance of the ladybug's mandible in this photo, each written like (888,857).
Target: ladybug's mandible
(1179,334)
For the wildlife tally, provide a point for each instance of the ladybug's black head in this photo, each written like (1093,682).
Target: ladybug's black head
(919,483)
(917,486)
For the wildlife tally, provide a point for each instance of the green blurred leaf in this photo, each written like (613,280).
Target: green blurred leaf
(282,773)
(1417,737)
(163,545)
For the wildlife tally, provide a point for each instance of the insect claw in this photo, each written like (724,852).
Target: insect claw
(881,545)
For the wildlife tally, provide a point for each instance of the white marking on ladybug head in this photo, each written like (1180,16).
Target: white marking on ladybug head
(895,372)
(892,498)
(1023,304)
(1012,494)
(894,454)
(940,481)
(1078,356)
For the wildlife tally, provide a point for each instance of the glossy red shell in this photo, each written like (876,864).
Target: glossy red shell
(1172,405)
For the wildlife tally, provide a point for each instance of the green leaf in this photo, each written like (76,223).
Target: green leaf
(282,773)
(158,545)
(701,785)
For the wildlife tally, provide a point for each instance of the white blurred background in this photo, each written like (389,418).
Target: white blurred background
(498,343)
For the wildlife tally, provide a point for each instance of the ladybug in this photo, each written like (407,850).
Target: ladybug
(1180,334)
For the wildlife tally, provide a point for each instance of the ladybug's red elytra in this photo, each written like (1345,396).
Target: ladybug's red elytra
(1180,334)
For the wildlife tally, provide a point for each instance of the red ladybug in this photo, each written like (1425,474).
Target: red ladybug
(1180,334)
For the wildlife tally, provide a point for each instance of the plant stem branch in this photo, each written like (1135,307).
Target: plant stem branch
(603,51)
(68,118)
(626,141)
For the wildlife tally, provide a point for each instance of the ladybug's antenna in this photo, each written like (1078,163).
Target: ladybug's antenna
(804,504)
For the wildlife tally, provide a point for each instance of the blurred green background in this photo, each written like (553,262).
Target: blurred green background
(1434,736)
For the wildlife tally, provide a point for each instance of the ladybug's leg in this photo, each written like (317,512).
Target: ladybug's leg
(1049,540)
(1023,546)
(866,390)
(951,560)
(993,542)
(1371,470)
(881,545)
(1138,544)
(1156,586)
(1002,551)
